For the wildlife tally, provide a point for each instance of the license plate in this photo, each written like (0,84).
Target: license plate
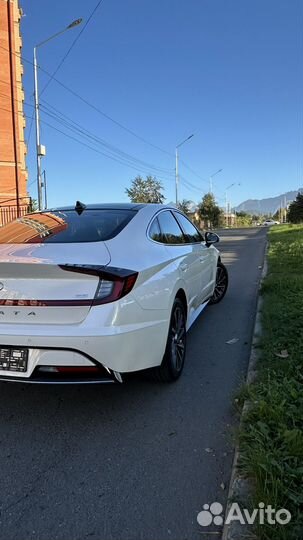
(13,359)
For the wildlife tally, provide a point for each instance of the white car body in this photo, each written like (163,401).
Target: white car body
(46,303)
(269,223)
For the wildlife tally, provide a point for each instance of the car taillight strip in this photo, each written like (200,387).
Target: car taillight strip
(44,303)
(102,272)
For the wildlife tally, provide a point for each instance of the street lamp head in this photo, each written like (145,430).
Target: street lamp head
(217,172)
(185,140)
(71,25)
(74,23)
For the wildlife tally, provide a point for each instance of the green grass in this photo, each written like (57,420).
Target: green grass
(271,437)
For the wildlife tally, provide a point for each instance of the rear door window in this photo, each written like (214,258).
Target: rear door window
(192,234)
(66,226)
(170,229)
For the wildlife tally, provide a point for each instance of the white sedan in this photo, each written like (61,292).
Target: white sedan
(89,293)
(270,222)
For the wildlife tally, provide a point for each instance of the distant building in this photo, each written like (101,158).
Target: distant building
(230,219)
(13,173)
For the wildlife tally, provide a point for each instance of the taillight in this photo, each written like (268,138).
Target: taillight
(105,289)
(114,283)
(112,290)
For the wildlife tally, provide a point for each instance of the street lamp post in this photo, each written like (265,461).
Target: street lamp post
(177,164)
(226,203)
(40,150)
(211,180)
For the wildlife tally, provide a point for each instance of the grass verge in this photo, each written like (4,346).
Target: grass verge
(271,436)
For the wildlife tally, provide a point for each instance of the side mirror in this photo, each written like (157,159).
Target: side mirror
(211,238)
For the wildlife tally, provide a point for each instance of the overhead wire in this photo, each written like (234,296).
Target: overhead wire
(189,185)
(100,152)
(71,47)
(96,139)
(75,126)
(193,171)
(94,107)
(70,124)
(23,103)
(137,169)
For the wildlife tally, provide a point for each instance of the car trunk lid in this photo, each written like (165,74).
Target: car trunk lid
(36,286)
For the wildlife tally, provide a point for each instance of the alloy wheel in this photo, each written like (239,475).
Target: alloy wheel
(178,332)
(221,283)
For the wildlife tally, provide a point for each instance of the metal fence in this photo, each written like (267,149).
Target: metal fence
(9,213)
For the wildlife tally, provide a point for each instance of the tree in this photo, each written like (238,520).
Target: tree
(33,205)
(145,191)
(184,206)
(210,211)
(243,219)
(295,210)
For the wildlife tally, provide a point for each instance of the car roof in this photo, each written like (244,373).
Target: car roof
(101,206)
(115,206)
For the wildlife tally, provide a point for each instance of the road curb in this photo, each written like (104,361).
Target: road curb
(239,487)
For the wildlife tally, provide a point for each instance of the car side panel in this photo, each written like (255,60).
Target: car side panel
(186,258)
(209,259)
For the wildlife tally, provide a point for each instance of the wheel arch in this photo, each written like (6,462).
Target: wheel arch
(182,296)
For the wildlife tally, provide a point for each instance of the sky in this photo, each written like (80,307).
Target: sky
(149,73)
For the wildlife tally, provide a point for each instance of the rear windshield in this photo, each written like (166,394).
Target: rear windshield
(66,226)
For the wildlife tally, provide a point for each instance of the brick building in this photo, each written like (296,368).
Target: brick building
(13,172)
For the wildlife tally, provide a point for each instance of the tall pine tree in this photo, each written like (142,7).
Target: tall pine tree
(295,211)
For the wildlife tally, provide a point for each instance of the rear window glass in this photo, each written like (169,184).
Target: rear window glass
(66,226)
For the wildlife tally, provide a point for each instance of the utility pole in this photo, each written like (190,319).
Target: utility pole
(45,188)
(226,208)
(285,211)
(37,120)
(40,149)
(211,180)
(177,174)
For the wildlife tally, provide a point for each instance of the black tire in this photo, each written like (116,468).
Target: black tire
(221,284)
(174,356)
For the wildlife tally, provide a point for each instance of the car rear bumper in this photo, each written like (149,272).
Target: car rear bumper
(119,348)
(53,379)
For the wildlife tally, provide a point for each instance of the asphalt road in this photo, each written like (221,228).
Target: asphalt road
(129,462)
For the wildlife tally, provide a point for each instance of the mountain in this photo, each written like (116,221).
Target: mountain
(267,206)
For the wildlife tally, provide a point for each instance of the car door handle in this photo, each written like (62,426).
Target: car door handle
(201,259)
(183,267)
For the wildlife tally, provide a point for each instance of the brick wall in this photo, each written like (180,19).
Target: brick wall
(11,88)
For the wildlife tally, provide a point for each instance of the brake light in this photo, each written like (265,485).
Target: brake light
(68,369)
(129,283)
(112,290)
(114,283)
(77,369)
